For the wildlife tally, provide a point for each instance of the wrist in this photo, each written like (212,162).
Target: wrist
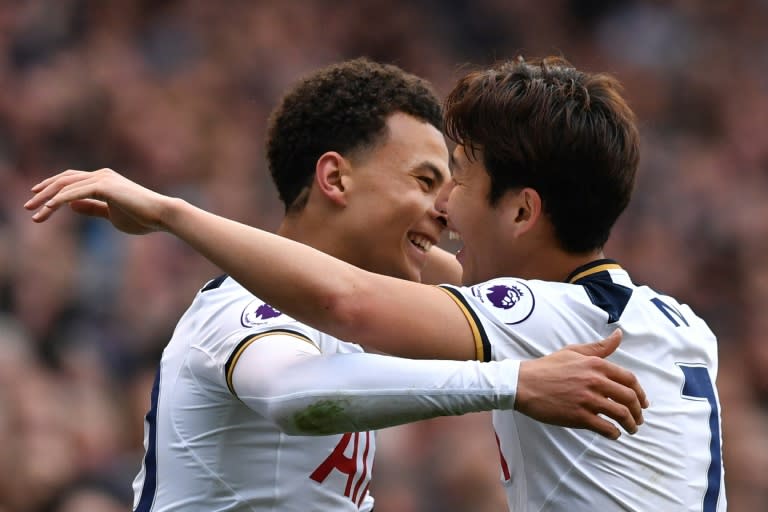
(509,377)
(522,394)
(169,213)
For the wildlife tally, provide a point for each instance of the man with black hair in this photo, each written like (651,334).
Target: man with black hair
(360,162)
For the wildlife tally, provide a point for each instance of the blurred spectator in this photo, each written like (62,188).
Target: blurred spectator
(175,94)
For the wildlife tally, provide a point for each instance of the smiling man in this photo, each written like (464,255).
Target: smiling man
(358,158)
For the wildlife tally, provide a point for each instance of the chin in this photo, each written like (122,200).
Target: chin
(408,273)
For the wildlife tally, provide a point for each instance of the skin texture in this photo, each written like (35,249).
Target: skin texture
(566,388)
(367,209)
(473,218)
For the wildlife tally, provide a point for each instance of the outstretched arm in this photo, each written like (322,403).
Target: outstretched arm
(286,380)
(395,316)
(392,315)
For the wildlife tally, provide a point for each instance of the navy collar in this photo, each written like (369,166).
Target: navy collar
(593,267)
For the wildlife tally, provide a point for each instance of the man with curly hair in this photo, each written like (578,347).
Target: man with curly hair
(359,159)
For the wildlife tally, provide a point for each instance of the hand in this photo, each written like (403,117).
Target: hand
(573,385)
(130,207)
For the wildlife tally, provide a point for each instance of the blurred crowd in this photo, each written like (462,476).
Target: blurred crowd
(175,94)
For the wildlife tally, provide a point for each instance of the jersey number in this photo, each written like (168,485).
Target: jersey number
(698,386)
(347,465)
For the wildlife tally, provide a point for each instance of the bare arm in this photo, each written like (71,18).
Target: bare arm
(441,268)
(389,314)
(382,312)
(395,316)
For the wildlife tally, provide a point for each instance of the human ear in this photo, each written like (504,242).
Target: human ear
(529,208)
(523,208)
(329,173)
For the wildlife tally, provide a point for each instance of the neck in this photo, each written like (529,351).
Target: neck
(319,235)
(553,265)
(539,256)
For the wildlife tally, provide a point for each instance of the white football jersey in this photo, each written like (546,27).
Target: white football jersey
(674,462)
(207,451)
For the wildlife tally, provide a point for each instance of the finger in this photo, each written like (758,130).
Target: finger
(626,378)
(619,413)
(52,186)
(623,394)
(81,189)
(90,207)
(631,403)
(43,214)
(47,181)
(602,348)
(42,196)
(84,188)
(603,427)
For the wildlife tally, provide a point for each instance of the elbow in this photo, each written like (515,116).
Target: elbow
(316,418)
(346,310)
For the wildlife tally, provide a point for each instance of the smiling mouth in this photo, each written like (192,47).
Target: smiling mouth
(421,242)
(453,235)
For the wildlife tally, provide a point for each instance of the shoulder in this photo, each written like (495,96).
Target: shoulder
(223,314)
(511,300)
(225,302)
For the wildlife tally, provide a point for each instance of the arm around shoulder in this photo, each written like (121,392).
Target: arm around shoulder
(288,382)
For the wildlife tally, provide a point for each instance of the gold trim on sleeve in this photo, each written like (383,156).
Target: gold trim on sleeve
(479,352)
(245,343)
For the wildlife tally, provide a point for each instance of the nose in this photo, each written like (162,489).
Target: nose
(441,218)
(441,203)
(438,213)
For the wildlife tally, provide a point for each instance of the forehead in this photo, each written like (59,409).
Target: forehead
(462,157)
(469,166)
(411,142)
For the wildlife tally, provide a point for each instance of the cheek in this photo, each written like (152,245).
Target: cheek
(453,200)
(413,207)
(459,205)
(397,219)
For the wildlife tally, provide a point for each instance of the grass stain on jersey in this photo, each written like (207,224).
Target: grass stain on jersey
(323,417)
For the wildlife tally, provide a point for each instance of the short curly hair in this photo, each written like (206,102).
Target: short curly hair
(342,107)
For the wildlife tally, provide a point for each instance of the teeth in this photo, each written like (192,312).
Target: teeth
(421,241)
(452,235)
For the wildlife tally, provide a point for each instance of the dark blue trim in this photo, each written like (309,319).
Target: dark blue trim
(149,488)
(215,283)
(669,311)
(605,294)
(483,336)
(697,384)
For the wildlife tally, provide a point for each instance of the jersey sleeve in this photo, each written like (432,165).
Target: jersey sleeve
(249,339)
(306,393)
(224,321)
(482,344)
(521,319)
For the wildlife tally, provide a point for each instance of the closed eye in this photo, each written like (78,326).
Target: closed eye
(428,181)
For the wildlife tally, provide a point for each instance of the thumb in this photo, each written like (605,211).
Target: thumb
(602,348)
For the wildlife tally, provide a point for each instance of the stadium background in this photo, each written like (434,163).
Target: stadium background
(175,94)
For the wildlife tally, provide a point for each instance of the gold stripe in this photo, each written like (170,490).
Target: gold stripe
(236,356)
(479,354)
(595,270)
